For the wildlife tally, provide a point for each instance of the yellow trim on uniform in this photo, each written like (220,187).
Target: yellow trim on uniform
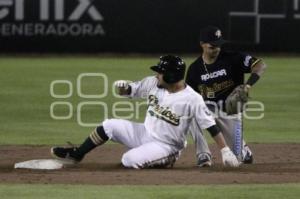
(98,137)
(255,63)
(93,139)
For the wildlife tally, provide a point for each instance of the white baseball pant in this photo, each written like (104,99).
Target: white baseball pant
(144,151)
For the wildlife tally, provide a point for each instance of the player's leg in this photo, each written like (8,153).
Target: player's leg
(203,153)
(149,155)
(247,156)
(122,131)
(144,151)
(232,129)
(131,134)
(76,154)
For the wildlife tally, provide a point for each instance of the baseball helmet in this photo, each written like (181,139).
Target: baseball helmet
(172,68)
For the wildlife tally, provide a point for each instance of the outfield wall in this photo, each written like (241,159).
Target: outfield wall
(148,26)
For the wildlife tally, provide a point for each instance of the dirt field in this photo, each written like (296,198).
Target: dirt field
(274,163)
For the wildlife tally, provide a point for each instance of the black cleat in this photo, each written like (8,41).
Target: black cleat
(66,154)
(204,160)
(247,155)
(166,162)
(172,159)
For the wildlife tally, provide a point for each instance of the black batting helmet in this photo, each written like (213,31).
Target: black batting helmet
(172,68)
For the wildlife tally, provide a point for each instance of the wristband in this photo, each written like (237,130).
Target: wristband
(253,79)
(213,130)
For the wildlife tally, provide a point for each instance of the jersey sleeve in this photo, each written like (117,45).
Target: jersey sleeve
(203,116)
(141,89)
(246,61)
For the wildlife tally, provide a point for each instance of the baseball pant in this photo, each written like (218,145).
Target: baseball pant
(231,127)
(144,151)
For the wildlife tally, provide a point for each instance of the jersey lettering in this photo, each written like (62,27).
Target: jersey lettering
(161,112)
(213,75)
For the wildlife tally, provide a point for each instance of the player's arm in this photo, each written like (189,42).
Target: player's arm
(257,68)
(217,136)
(229,159)
(138,89)
(205,120)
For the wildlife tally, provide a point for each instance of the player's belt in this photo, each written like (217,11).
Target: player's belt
(210,95)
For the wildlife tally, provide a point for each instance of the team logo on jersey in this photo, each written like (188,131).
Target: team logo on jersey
(218,33)
(161,112)
(213,75)
(211,91)
(247,60)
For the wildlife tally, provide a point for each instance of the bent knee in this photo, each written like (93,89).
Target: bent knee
(109,126)
(129,161)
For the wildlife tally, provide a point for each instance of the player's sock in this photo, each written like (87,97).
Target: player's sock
(96,138)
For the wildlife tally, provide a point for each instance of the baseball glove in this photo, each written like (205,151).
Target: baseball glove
(235,101)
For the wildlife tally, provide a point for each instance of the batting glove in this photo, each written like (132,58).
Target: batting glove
(229,159)
(122,84)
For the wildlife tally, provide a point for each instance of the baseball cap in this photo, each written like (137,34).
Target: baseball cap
(212,35)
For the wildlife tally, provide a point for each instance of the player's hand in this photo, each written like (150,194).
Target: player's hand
(247,88)
(229,159)
(123,84)
(123,87)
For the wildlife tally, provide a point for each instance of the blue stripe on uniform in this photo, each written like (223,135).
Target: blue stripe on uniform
(237,147)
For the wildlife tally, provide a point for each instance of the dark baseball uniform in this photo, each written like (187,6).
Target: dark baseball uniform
(215,82)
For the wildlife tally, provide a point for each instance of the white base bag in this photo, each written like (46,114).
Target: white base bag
(46,164)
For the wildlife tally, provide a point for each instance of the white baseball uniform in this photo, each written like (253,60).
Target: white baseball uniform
(165,128)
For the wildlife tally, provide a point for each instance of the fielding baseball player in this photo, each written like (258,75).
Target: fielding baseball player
(218,76)
(172,105)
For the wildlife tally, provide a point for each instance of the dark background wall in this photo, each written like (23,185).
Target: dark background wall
(148,26)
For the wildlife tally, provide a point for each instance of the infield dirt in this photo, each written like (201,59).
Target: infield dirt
(274,163)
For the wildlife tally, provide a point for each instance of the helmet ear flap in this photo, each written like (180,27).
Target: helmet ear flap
(168,78)
(172,77)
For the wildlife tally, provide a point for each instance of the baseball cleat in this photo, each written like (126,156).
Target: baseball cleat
(204,160)
(165,162)
(172,159)
(66,154)
(247,155)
